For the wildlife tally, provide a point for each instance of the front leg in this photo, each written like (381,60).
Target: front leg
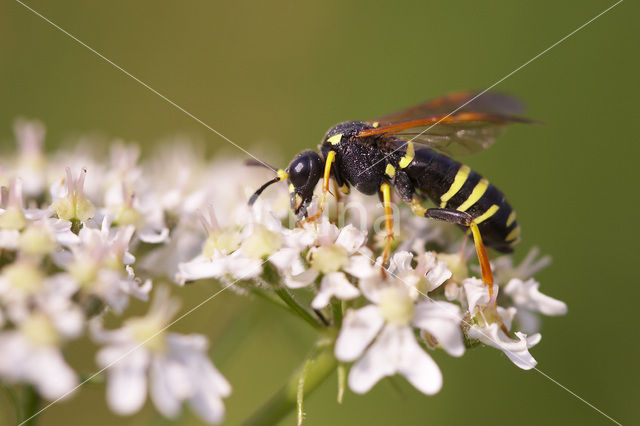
(331,157)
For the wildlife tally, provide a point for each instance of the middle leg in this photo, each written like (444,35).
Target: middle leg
(385,191)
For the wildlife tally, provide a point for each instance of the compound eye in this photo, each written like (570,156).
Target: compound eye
(299,171)
(305,170)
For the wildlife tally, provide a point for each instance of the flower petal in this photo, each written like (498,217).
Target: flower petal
(417,366)
(126,378)
(438,274)
(153,236)
(163,394)
(351,238)
(401,262)
(50,373)
(526,294)
(477,293)
(358,330)
(300,280)
(200,268)
(516,350)
(334,284)
(442,321)
(396,350)
(209,406)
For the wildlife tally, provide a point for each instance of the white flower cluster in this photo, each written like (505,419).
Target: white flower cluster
(387,319)
(80,237)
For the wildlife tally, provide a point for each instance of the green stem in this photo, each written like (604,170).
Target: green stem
(76,226)
(269,297)
(314,371)
(15,400)
(29,406)
(271,276)
(295,306)
(338,308)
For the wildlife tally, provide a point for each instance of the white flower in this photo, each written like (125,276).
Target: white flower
(490,324)
(20,283)
(31,353)
(429,273)
(334,284)
(100,264)
(229,252)
(389,323)
(504,269)
(516,349)
(335,253)
(530,301)
(131,199)
(72,203)
(184,244)
(12,217)
(525,295)
(175,367)
(143,213)
(31,161)
(43,235)
(440,325)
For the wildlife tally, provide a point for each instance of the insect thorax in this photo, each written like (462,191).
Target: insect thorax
(361,162)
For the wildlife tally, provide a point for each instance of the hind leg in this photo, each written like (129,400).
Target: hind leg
(464,219)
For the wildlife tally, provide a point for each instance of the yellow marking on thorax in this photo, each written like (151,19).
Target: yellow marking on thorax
(335,139)
(375,124)
(458,181)
(417,207)
(477,193)
(344,189)
(511,218)
(513,234)
(408,156)
(390,170)
(292,188)
(281,174)
(486,215)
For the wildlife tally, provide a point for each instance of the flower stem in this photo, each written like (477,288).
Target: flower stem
(295,306)
(29,406)
(314,371)
(271,276)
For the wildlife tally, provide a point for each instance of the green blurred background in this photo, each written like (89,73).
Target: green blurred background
(280,73)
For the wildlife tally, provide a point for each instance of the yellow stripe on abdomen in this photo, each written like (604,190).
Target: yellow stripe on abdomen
(514,234)
(486,215)
(458,181)
(477,193)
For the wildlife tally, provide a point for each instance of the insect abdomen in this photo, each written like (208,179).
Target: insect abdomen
(452,185)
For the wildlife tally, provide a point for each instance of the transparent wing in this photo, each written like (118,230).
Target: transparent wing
(490,102)
(457,134)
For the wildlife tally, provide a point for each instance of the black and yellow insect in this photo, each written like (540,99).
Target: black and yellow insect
(400,151)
